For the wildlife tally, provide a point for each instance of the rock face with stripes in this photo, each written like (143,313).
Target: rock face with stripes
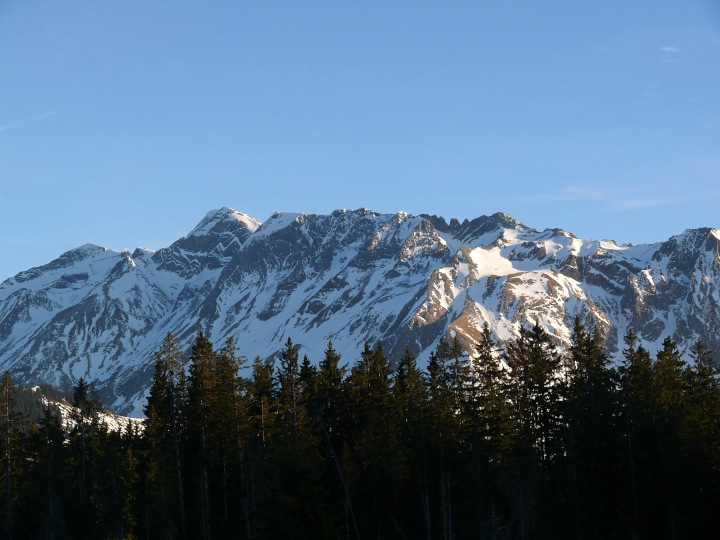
(351,276)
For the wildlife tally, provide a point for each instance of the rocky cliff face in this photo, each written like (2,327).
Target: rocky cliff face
(352,276)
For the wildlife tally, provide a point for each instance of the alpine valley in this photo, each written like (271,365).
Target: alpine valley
(349,277)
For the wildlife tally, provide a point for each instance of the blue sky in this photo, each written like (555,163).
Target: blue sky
(123,122)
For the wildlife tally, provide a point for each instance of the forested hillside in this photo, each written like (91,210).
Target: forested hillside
(511,441)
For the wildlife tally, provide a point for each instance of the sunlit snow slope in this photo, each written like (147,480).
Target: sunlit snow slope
(352,276)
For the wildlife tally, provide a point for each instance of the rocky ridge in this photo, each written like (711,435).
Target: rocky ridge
(351,276)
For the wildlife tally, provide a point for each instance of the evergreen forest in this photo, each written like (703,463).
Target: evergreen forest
(509,441)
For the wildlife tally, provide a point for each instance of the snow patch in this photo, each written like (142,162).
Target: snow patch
(276,222)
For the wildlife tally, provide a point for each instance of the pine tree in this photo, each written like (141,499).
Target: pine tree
(111,498)
(592,435)
(46,487)
(487,432)
(308,376)
(9,447)
(228,427)
(372,451)
(329,396)
(164,433)
(443,385)
(291,410)
(670,409)
(328,409)
(86,445)
(701,444)
(636,373)
(131,484)
(411,398)
(201,388)
(534,392)
(296,459)
(261,413)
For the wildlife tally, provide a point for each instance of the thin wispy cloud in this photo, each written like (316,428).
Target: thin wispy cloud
(636,203)
(571,193)
(606,50)
(24,121)
(616,201)
(579,194)
(670,54)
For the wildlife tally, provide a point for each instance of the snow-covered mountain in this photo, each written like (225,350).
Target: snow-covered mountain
(351,276)
(68,415)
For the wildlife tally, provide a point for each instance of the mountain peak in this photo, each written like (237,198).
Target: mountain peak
(225,216)
(506,220)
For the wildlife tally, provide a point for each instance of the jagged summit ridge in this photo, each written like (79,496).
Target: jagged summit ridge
(350,276)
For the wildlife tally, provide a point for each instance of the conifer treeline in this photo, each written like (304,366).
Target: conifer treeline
(517,441)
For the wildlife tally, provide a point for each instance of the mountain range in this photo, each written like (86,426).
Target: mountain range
(350,277)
